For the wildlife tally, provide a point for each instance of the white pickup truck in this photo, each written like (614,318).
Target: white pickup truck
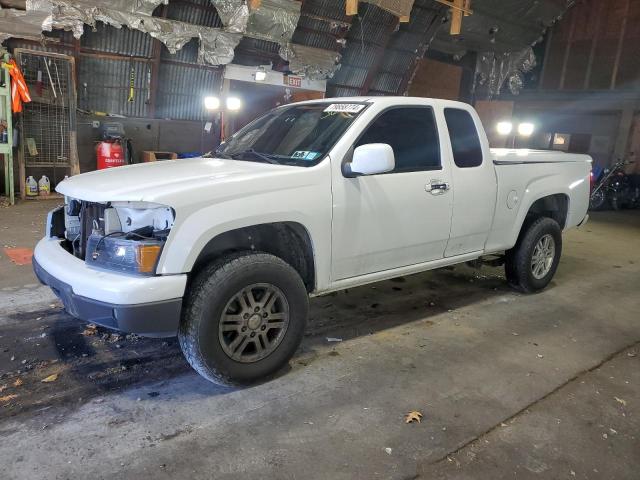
(310,198)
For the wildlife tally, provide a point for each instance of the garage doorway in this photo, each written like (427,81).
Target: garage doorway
(258,99)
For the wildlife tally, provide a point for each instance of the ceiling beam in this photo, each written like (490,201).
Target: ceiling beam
(17,4)
(351,7)
(623,31)
(459,9)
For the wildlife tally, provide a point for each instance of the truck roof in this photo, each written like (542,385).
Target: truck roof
(392,100)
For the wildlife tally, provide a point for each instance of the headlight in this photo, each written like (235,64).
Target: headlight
(124,253)
(129,237)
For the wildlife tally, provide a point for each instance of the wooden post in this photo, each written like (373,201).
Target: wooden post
(22,171)
(599,6)
(623,29)
(456,17)
(567,51)
(156,59)
(352,7)
(547,49)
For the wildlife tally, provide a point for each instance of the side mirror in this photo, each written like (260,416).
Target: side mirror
(370,159)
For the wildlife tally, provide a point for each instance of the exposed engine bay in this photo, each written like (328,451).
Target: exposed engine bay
(124,236)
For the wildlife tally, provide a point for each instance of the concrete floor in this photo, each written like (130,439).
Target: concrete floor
(511,386)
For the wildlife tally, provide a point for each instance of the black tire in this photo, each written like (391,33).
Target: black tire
(518,261)
(598,200)
(615,203)
(209,295)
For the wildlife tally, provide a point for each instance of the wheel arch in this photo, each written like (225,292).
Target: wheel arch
(287,240)
(554,206)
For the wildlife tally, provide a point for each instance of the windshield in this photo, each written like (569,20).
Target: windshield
(292,135)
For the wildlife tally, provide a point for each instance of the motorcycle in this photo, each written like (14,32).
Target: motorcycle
(614,187)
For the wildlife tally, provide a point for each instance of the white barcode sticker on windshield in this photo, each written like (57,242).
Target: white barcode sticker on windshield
(304,155)
(345,107)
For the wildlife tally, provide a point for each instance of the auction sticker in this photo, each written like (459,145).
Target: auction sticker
(345,107)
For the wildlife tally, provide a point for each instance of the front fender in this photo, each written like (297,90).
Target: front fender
(194,230)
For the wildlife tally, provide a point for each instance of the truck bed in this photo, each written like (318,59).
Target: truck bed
(524,174)
(525,155)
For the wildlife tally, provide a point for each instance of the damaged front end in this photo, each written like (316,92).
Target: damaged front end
(126,237)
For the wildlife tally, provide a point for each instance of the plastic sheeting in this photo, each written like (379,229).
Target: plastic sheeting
(274,20)
(313,63)
(494,70)
(18,23)
(233,13)
(505,26)
(216,46)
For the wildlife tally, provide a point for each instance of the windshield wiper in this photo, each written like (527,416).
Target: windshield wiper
(261,156)
(215,154)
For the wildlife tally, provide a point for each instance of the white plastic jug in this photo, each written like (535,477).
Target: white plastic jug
(32,187)
(44,185)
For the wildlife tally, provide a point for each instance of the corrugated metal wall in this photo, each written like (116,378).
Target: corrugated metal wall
(403,49)
(103,86)
(364,40)
(377,60)
(106,58)
(181,89)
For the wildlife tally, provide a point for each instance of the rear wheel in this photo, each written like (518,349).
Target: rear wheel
(533,262)
(244,318)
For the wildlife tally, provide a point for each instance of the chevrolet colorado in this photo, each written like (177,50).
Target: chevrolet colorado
(313,197)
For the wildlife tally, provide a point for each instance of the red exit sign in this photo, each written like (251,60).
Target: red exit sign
(293,81)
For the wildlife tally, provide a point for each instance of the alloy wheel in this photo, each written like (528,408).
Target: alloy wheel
(543,255)
(254,322)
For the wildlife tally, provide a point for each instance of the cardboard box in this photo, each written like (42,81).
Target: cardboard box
(149,156)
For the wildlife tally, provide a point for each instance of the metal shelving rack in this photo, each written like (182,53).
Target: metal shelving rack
(6,149)
(49,120)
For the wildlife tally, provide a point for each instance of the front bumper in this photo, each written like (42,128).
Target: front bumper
(148,306)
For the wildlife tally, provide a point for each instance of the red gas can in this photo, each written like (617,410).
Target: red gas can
(110,154)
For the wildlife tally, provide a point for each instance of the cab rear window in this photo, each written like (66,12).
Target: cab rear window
(465,142)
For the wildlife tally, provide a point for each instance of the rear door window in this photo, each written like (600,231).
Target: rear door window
(413,135)
(465,142)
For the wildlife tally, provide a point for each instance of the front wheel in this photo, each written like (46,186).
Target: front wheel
(597,200)
(533,262)
(615,202)
(244,318)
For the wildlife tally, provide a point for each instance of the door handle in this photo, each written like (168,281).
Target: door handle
(437,187)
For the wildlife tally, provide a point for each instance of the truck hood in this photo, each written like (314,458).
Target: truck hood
(157,181)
